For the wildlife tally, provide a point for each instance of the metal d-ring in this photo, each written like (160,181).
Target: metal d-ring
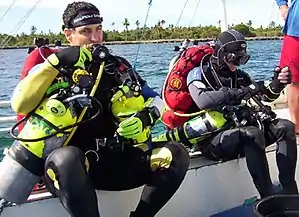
(97,149)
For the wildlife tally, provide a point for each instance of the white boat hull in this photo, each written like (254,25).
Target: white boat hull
(209,188)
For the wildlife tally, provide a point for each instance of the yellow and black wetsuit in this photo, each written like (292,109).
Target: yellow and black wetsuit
(161,167)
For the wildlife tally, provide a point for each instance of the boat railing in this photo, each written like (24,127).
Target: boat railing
(6,120)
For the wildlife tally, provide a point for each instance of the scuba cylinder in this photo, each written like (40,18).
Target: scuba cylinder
(48,127)
(195,129)
(126,101)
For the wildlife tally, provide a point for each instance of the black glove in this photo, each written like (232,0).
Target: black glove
(74,56)
(277,84)
(244,93)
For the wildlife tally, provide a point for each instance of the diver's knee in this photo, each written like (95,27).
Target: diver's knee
(254,134)
(287,127)
(65,157)
(171,154)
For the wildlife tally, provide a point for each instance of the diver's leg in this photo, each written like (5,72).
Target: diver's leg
(169,163)
(282,132)
(248,141)
(162,170)
(66,177)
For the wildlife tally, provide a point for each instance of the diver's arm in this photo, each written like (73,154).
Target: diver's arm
(148,92)
(206,99)
(30,91)
(269,92)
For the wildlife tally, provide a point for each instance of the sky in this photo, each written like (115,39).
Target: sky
(47,15)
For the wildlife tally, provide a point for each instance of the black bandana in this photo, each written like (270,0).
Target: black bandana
(85,18)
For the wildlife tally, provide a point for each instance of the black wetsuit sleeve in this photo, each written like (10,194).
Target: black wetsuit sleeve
(206,99)
(269,93)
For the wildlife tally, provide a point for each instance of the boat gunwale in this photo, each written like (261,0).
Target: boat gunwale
(43,194)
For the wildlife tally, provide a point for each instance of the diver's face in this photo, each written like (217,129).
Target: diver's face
(231,66)
(85,35)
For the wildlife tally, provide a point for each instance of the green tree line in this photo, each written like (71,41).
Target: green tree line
(159,31)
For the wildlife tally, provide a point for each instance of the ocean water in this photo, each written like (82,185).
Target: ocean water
(152,64)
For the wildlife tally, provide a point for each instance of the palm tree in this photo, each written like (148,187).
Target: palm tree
(159,24)
(137,23)
(272,24)
(249,23)
(219,23)
(33,30)
(126,24)
(162,23)
(113,24)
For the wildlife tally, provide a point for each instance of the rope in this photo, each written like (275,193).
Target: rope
(194,13)
(8,9)
(143,31)
(176,25)
(150,4)
(181,13)
(19,24)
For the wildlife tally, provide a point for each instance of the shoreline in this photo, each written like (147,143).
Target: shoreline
(159,41)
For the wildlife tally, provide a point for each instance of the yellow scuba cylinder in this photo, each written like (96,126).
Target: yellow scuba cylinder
(195,129)
(50,115)
(22,166)
(48,127)
(125,102)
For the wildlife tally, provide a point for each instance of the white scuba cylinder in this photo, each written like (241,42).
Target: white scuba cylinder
(172,62)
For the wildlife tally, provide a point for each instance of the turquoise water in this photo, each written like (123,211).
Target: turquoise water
(152,64)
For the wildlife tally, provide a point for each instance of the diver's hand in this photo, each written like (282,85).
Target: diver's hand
(74,56)
(282,77)
(284,11)
(243,93)
(132,127)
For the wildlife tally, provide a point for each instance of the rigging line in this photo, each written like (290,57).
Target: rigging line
(181,13)
(8,9)
(195,11)
(19,24)
(142,34)
(176,25)
(9,36)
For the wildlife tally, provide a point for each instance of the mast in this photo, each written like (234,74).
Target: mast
(224,24)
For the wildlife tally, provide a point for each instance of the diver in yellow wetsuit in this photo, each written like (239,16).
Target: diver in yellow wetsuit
(111,152)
